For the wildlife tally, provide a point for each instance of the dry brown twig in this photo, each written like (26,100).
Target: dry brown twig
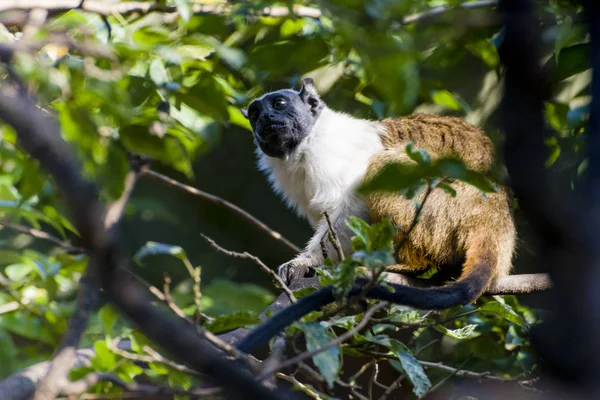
(224,203)
(276,279)
(333,237)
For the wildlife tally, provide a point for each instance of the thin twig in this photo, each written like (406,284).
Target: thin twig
(335,342)
(395,385)
(446,378)
(373,379)
(274,360)
(333,237)
(154,357)
(221,202)
(464,373)
(195,275)
(169,300)
(38,234)
(82,385)
(434,12)
(116,209)
(276,279)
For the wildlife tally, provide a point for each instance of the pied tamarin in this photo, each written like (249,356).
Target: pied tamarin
(316,157)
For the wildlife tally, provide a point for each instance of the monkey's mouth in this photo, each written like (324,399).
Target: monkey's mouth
(274,143)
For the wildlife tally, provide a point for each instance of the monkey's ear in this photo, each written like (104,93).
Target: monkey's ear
(245,112)
(310,96)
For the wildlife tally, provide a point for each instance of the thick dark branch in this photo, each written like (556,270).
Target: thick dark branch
(87,298)
(40,136)
(510,285)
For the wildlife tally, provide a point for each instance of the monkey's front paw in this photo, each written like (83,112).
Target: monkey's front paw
(292,270)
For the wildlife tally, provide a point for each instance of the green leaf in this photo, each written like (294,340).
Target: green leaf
(10,257)
(206,97)
(485,50)
(17,272)
(446,99)
(103,359)
(420,156)
(154,248)
(232,321)
(360,228)
(411,367)
(183,7)
(572,60)
(8,354)
(465,332)
(345,273)
(374,259)
(562,36)
(32,179)
(227,297)
(328,361)
(108,316)
(503,310)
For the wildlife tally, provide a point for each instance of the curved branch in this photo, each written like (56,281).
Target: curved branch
(224,203)
(509,285)
(40,136)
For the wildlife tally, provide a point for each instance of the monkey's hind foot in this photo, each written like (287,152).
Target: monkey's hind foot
(294,269)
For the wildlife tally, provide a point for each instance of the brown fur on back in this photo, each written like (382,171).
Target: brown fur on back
(466,230)
(448,136)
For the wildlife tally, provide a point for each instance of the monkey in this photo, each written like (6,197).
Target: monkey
(316,157)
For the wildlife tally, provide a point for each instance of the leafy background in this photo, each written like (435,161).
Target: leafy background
(170,85)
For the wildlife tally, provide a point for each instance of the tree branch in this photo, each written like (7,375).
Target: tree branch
(224,203)
(40,136)
(510,285)
(278,281)
(38,234)
(87,298)
(338,340)
(435,11)
(108,9)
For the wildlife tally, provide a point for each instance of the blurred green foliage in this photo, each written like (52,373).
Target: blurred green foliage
(170,85)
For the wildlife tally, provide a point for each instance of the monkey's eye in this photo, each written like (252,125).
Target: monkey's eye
(279,104)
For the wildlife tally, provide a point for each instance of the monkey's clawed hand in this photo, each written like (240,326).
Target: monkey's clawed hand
(291,270)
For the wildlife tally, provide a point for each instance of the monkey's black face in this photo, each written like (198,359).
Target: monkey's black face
(281,120)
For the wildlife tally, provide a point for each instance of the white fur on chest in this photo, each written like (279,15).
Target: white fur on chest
(323,171)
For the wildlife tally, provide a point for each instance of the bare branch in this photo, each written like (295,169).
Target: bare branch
(465,373)
(338,340)
(108,9)
(224,203)
(36,233)
(40,137)
(115,211)
(82,385)
(333,237)
(435,11)
(278,281)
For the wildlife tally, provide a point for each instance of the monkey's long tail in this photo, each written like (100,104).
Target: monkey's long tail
(478,272)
